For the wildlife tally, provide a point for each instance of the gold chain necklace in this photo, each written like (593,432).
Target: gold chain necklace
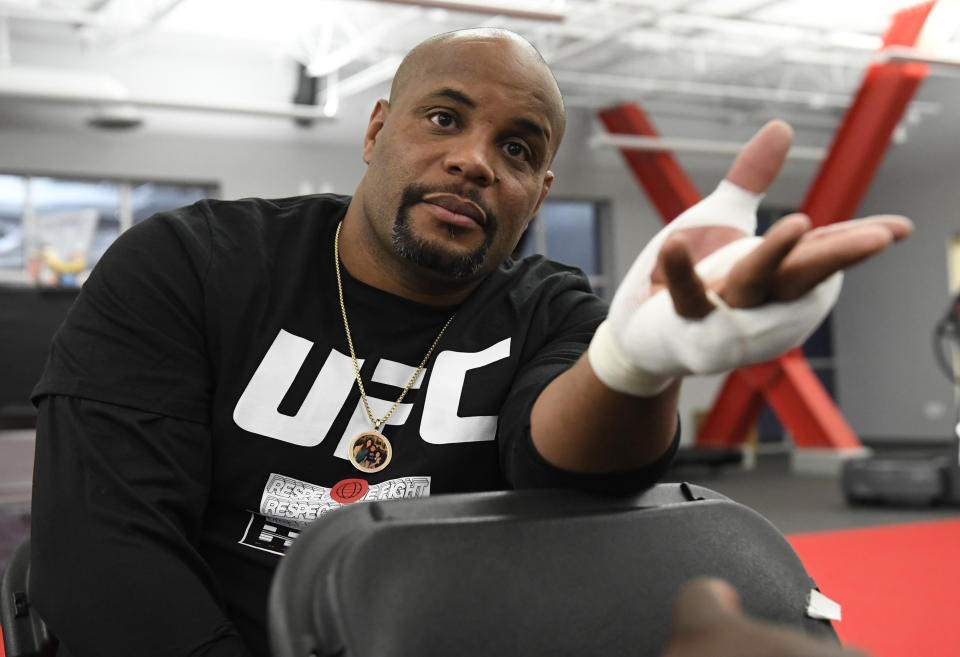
(370,451)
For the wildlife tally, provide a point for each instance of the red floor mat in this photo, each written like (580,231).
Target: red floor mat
(899,585)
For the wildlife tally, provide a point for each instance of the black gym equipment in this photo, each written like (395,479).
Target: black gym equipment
(527,573)
(915,480)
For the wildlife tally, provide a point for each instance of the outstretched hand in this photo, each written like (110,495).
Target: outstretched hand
(791,260)
(773,291)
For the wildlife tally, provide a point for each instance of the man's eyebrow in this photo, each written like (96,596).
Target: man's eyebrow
(456,96)
(532,127)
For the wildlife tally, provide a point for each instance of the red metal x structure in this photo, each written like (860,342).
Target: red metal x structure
(788,383)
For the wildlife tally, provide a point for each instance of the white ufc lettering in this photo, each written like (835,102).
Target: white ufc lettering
(441,424)
(394,374)
(256,410)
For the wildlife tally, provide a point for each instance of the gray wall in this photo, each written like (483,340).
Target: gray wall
(888,385)
(241,166)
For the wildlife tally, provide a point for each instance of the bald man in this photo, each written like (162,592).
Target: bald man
(226,365)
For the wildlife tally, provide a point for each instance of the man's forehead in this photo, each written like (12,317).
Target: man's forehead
(464,64)
(470,55)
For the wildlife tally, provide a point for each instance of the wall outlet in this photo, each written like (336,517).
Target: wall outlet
(934,409)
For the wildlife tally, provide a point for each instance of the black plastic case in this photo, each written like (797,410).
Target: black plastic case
(524,573)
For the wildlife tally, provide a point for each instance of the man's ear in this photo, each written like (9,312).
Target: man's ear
(547,183)
(377,118)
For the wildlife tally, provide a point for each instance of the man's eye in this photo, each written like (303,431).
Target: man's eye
(442,119)
(516,149)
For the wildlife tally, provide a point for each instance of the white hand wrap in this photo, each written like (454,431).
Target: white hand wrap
(644,345)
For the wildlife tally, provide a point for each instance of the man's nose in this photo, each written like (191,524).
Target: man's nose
(472,159)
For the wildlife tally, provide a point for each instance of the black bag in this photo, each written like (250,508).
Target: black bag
(524,573)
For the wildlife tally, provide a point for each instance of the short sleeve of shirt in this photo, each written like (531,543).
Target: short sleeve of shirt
(568,318)
(135,335)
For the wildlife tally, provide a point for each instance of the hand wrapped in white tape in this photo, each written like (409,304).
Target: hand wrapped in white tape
(644,344)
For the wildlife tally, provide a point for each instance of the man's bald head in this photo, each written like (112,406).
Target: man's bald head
(440,47)
(458,158)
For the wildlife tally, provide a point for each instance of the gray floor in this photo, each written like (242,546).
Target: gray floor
(799,503)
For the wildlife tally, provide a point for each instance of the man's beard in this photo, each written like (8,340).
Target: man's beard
(455,266)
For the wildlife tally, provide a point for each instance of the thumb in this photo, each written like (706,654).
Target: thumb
(761,158)
(703,602)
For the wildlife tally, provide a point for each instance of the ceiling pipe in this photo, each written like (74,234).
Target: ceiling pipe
(278,110)
(623,83)
(60,15)
(680,145)
(738,27)
(606,36)
(489,9)
(324,61)
(382,71)
(54,86)
(691,88)
(5,56)
(900,54)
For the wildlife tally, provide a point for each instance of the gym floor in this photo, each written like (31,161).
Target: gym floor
(799,503)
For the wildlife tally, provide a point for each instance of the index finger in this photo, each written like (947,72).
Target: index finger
(752,280)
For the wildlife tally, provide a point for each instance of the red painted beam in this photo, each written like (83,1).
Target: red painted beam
(806,408)
(741,398)
(735,411)
(907,24)
(864,135)
(788,383)
(659,173)
(798,399)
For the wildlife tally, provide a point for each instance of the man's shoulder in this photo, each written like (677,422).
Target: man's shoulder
(536,271)
(535,282)
(210,223)
(277,205)
(262,210)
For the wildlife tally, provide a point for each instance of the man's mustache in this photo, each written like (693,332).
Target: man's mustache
(414,193)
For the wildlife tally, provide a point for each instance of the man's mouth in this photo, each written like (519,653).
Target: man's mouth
(457,205)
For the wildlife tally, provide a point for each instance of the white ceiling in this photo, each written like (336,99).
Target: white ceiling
(211,65)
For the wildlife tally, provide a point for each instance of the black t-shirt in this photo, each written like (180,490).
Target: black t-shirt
(222,319)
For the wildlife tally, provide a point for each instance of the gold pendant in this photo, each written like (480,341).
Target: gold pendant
(370,451)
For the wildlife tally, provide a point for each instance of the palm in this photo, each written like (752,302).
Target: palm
(792,258)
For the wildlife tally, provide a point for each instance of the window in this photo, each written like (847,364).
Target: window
(146,199)
(953,263)
(12,195)
(74,222)
(53,230)
(570,232)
